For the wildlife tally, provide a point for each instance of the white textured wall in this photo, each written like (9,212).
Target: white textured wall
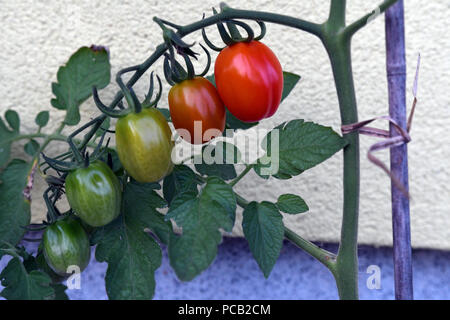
(38,36)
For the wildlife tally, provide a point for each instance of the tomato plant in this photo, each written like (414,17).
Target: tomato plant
(118,192)
(197,100)
(94,194)
(249,79)
(65,244)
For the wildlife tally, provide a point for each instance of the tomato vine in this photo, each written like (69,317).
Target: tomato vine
(201,202)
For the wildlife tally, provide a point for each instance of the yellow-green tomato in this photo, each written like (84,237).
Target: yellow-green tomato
(144,145)
(94,194)
(66,246)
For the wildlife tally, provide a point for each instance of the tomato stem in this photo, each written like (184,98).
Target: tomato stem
(248,167)
(328,259)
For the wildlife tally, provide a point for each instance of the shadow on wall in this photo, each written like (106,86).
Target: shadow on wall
(235,275)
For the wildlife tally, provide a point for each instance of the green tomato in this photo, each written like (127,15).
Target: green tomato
(43,265)
(65,244)
(144,145)
(94,194)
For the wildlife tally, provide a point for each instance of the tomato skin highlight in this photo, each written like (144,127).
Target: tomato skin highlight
(144,145)
(197,100)
(65,243)
(94,194)
(249,80)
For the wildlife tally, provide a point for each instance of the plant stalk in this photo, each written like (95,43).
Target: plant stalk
(338,48)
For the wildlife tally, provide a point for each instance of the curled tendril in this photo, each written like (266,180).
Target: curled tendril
(99,151)
(233,35)
(174,72)
(226,38)
(207,41)
(64,166)
(171,24)
(189,66)
(108,111)
(52,211)
(58,165)
(128,92)
(208,63)
(167,70)
(147,103)
(246,27)
(173,39)
(263,28)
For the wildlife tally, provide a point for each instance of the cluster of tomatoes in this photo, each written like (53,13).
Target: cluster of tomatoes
(249,82)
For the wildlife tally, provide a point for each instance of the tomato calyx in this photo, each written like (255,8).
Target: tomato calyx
(81,159)
(134,105)
(175,73)
(233,35)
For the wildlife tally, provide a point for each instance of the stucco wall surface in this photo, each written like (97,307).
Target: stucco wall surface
(39,36)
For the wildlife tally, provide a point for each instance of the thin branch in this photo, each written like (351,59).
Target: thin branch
(328,259)
(241,175)
(231,13)
(323,256)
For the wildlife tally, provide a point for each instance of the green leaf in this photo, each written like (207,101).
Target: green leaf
(131,253)
(86,68)
(23,285)
(223,155)
(60,291)
(193,252)
(149,201)
(42,118)
(181,179)
(214,207)
(200,216)
(290,80)
(231,122)
(31,263)
(301,145)
(263,228)
(12,117)
(15,200)
(292,204)
(7,135)
(31,147)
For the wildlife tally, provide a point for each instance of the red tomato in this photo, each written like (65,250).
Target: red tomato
(249,80)
(197,100)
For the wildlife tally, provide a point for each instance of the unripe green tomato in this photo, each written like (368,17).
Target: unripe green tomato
(65,244)
(94,194)
(43,265)
(144,145)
